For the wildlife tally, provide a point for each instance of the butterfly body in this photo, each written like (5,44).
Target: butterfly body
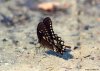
(48,38)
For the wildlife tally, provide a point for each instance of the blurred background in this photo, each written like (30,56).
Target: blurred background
(77,22)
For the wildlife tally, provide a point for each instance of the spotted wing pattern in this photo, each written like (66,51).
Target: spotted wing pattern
(48,38)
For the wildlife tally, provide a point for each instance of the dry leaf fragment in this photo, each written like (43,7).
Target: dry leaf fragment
(48,5)
(52,5)
(98,19)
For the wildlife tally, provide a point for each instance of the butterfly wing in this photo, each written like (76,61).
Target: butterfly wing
(43,36)
(47,37)
(48,23)
(41,31)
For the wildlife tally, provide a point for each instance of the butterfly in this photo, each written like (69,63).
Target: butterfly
(48,38)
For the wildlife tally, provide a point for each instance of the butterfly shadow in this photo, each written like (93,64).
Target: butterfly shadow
(66,55)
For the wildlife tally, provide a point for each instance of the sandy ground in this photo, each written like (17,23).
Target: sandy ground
(19,49)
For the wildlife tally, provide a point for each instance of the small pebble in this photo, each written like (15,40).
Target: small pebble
(25,48)
(75,47)
(86,27)
(78,43)
(31,42)
(15,42)
(87,56)
(4,40)
(92,58)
